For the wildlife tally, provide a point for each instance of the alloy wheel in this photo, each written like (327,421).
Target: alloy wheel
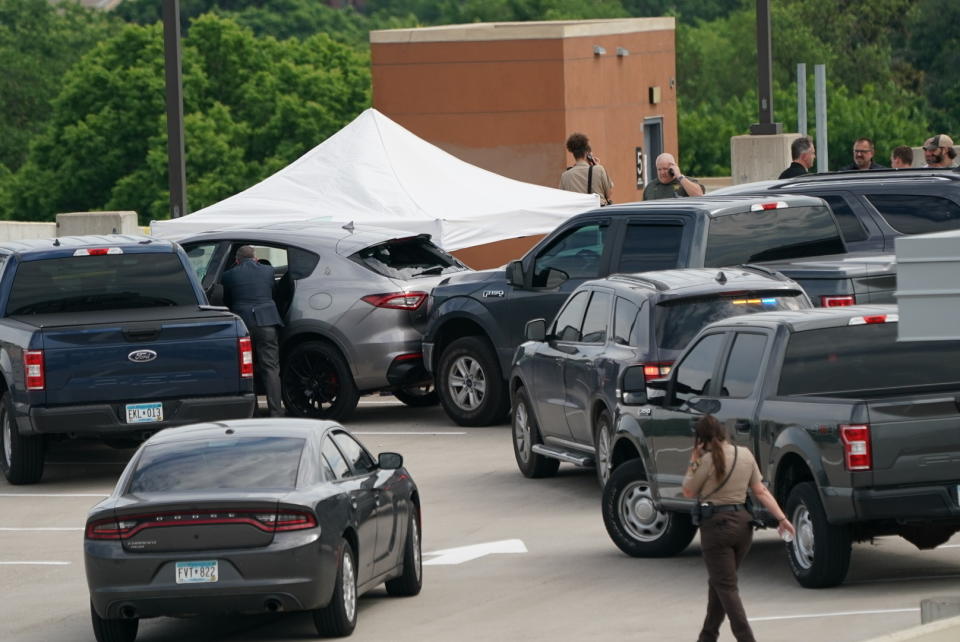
(639,515)
(467,383)
(803,543)
(521,431)
(349,587)
(312,384)
(7,426)
(415,540)
(603,454)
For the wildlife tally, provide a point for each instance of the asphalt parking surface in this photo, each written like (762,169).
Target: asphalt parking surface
(571,583)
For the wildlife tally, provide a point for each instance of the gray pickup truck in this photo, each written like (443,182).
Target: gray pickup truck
(854,432)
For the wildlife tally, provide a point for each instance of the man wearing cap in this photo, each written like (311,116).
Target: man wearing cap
(862,156)
(939,152)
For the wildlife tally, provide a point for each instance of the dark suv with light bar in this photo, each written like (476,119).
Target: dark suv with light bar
(110,337)
(855,433)
(565,378)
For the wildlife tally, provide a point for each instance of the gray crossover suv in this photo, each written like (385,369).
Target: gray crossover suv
(353,307)
(564,380)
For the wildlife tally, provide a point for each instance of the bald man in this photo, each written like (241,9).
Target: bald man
(671,183)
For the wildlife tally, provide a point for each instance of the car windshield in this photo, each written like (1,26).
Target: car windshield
(227,463)
(408,258)
(104,282)
(678,321)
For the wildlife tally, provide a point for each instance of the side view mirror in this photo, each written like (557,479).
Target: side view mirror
(535,330)
(633,392)
(390,461)
(515,273)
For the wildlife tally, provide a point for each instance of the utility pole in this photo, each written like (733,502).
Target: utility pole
(174,99)
(765,73)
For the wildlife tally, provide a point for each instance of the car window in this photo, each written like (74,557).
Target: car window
(849,223)
(357,456)
(408,258)
(335,459)
(568,323)
(327,470)
(743,365)
(200,256)
(693,374)
(577,252)
(275,257)
(624,320)
(301,263)
(597,318)
(772,235)
(650,247)
(220,463)
(917,214)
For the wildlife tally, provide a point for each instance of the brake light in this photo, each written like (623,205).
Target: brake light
(856,446)
(245,349)
(397,300)
(874,318)
(33,369)
(97,251)
(837,301)
(759,207)
(656,370)
(268,522)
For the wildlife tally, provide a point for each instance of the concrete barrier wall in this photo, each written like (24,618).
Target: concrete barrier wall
(18,231)
(940,631)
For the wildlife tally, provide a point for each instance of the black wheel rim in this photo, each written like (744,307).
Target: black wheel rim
(311,384)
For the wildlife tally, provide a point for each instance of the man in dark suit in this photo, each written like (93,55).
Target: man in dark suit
(803,153)
(248,292)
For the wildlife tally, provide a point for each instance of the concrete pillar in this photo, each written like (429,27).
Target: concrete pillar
(759,158)
(939,608)
(80,223)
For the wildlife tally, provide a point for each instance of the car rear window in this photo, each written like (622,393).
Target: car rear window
(107,282)
(917,214)
(408,258)
(677,321)
(864,358)
(650,246)
(228,463)
(772,235)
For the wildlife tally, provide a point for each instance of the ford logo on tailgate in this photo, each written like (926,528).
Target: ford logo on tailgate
(142,356)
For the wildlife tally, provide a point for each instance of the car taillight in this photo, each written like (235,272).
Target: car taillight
(267,521)
(837,301)
(856,446)
(33,369)
(870,319)
(656,370)
(245,349)
(397,300)
(97,251)
(775,205)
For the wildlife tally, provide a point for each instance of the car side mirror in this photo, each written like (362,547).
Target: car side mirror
(390,461)
(555,278)
(515,273)
(633,392)
(535,330)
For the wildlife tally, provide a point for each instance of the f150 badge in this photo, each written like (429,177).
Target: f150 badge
(142,356)
(492,293)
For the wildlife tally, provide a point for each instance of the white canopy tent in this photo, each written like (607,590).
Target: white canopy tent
(375,172)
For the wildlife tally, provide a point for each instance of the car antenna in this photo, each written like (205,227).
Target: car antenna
(56,242)
(721,277)
(349,226)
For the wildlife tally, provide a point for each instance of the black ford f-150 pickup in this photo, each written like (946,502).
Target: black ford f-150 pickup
(476,320)
(855,433)
(110,337)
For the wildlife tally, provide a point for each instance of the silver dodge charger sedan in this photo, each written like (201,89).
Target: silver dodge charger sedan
(251,516)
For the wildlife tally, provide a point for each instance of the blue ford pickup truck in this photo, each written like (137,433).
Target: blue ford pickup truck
(110,337)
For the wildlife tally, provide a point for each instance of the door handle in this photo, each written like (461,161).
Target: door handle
(742,425)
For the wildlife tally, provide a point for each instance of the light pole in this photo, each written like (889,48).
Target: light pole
(174,99)
(765,73)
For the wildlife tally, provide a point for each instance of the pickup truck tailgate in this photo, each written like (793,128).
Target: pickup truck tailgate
(138,355)
(916,439)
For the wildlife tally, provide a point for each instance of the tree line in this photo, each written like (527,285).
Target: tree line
(82,117)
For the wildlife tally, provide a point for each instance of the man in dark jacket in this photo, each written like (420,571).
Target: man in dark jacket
(248,291)
(862,156)
(803,153)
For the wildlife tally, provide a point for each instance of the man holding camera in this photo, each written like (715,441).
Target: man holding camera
(671,183)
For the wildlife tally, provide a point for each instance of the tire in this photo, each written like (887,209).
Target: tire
(317,382)
(339,618)
(820,553)
(603,435)
(526,433)
(634,523)
(469,382)
(410,581)
(418,396)
(21,456)
(113,630)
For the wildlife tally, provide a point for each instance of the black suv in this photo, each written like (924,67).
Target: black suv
(564,381)
(876,206)
(476,320)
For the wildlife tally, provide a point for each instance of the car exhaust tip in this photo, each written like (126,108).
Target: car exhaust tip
(272,605)
(128,612)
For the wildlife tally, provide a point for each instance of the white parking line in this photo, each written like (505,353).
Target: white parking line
(53,495)
(388,432)
(39,529)
(35,563)
(772,618)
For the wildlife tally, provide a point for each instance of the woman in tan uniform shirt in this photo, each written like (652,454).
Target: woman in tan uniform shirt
(720,474)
